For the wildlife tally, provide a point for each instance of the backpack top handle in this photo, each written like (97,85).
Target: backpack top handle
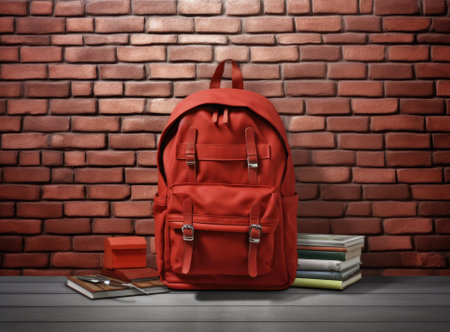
(236,75)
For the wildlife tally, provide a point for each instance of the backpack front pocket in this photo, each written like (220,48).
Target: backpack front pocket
(222,229)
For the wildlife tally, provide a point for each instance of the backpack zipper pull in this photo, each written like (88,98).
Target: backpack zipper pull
(225,115)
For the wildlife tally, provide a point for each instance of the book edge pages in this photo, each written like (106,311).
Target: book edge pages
(314,240)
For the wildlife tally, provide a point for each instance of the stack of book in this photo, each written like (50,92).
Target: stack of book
(328,260)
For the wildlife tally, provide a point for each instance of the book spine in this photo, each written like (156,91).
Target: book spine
(317,283)
(320,275)
(331,255)
(318,264)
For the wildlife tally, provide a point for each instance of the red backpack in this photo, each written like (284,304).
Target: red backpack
(226,208)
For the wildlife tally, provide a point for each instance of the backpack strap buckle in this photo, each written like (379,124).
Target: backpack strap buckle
(252,161)
(252,155)
(255,238)
(187,236)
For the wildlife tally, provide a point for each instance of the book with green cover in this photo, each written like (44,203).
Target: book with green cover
(329,240)
(323,283)
(332,255)
(330,275)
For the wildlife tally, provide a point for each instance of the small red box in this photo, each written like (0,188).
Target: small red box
(125,252)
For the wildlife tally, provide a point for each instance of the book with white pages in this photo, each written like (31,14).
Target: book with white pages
(327,265)
(329,240)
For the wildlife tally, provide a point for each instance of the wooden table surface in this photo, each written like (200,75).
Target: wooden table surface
(373,304)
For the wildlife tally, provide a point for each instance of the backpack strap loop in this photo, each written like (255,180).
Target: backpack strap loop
(236,75)
(187,231)
(252,156)
(191,139)
(254,238)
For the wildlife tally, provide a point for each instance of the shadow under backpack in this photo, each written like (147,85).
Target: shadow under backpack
(226,208)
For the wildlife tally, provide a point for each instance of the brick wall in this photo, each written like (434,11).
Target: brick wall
(87,86)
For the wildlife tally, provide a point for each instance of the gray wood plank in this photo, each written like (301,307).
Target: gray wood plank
(227,326)
(238,313)
(228,299)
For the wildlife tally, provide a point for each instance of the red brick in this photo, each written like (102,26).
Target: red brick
(141,175)
(431,192)
(143,192)
(121,226)
(183,89)
(20,226)
(346,70)
(86,208)
(69,140)
(405,23)
(19,192)
(13,7)
(110,158)
(67,226)
(273,6)
(108,191)
(8,157)
(74,158)
(216,24)
(91,54)
(300,157)
(360,88)
(6,209)
(408,158)
(354,123)
(26,174)
(119,24)
(397,122)
(422,106)
(433,38)
(73,106)
(298,38)
(97,123)
(48,243)
(319,23)
(443,88)
(409,89)
(298,6)
(363,53)
(121,106)
(146,158)
(148,89)
(62,175)
(440,24)
(381,259)
(440,53)
(442,226)
(321,209)
(39,210)
(85,24)
(268,24)
(30,158)
(288,105)
(390,71)
(89,243)
(407,225)
(11,243)
(39,25)
(202,7)
(108,7)
(138,123)
(355,226)
(46,89)
(441,141)
(63,192)
(46,123)
(442,157)
(335,6)
(373,175)
(361,209)
(314,225)
(362,23)
(23,72)
(238,53)
(312,140)
(432,70)
(81,89)
(175,71)
(69,8)
(71,39)
(10,89)
(387,7)
(422,175)
(190,53)
(193,39)
(360,141)
(78,260)
(132,209)
(154,7)
(25,260)
(108,88)
(345,38)
(267,89)
(305,123)
(407,141)
(52,158)
(6,25)
(9,54)
(72,71)
(389,242)
(170,24)
(432,242)
(10,124)
(383,191)
(408,53)
(307,191)
(121,71)
(145,227)
(253,71)
(24,141)
(98,175)
(433,7)
(329,53)
(394,209)
(25,39)
(237,7)
(391,38)
(310,88)
(106,39)
(141,54)
(322,174)
(340,192)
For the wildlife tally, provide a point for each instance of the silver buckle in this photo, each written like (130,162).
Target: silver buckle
(187,237)
(252,164)
(190,162)
(252,239)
